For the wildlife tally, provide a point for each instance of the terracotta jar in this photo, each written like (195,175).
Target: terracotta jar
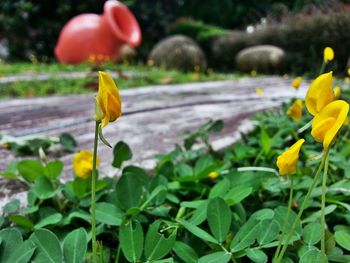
(98,37)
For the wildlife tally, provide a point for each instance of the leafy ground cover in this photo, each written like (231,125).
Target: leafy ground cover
(143,76)
(198,205)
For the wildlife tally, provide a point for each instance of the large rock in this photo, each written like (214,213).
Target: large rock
(179,52)
(264,58)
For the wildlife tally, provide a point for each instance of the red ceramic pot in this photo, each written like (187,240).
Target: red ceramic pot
(98,37)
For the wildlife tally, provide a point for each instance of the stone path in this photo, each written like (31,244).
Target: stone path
(153,117)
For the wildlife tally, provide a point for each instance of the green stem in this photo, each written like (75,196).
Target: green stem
(303,206)
(286,219)
(323,204)
(93,197)
(323,67)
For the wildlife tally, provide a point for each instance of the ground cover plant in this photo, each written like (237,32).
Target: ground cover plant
(278,195)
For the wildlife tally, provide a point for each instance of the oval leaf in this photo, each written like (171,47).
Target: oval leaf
(185,252)
(75,246)
(219,218)
(312,233)
(217,257)
(195,230)
(131,240)
(109,214)
(343,239)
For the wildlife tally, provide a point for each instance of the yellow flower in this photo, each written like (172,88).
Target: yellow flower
(328,54)
(348,71)
(296,82)
(337,92)
(108,100)
(82,163)
(327,123)
(287,161)
(259,91)
(213,175)
(150,62)
(319,94)
(253,73)
(296,110)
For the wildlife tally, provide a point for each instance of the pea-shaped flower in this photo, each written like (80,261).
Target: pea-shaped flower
(296,110)
(328,54)
(287,161)
(319,94)
(108,101)
(82,164)
(296,83)
(327,123)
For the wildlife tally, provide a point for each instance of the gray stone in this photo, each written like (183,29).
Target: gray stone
(178,52)
(264,58)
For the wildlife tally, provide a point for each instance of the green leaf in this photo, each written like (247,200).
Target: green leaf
(202,164)
(263,214)
(219,218)
(129,190)
(268,231)
(316,215)
(11,239)
(184,169)
(131,238)
(11,206)
(121,152)
(75,246)
(281,215)
(200,214)
(237,194)
(54,169)
(68,142)
(265,141)
(195,230)
(343,239)
(43,188)
(245,235)
(49,220)
(157,244)
(48,248)
(314,255)
(257,255)
(217,257)
(312,233)
(160,189)
(31,170)
(22,221)
(109,214)
(23,253)
(185,252)
(220,188)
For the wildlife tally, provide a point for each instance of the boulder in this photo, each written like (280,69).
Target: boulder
(264,59)
(178,52)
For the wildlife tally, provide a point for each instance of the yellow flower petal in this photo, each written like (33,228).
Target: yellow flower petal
(82,163)
(287,161)
(296,110)
(328,54)
(319,94)
(337,92)
(108,99)
(296,82)
(327,123)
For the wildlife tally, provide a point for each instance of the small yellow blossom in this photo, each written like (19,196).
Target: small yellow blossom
(82,164)
(108,106)
(253,73)
(327,123)
(337,92)
(328,54)
(348,71)
(259,91)
(150,62)
(287,161)
(296,110)
(213,175)
(319,94)
(296,83)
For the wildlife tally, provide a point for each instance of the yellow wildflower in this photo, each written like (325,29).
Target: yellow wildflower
(296,110)
(319,94)
(150,62)
(296,83)
(287,161)
(348,71)
(82,164)
(327,123)
(337,92)
(328,54)
(259,91)
(213,175)
(253,73)
(108,101)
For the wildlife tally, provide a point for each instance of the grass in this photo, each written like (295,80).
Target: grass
(144,76)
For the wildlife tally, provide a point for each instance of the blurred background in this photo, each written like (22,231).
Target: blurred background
(29,30)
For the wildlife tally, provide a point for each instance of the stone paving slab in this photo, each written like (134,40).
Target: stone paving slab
(153,117)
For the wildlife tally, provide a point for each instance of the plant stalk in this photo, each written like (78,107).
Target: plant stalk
(323,204)
(93,197)
(303,206)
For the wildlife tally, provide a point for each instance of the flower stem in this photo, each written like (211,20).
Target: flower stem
(323,204)
(303,206)
(286,219)
(323,67)
(93,197)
